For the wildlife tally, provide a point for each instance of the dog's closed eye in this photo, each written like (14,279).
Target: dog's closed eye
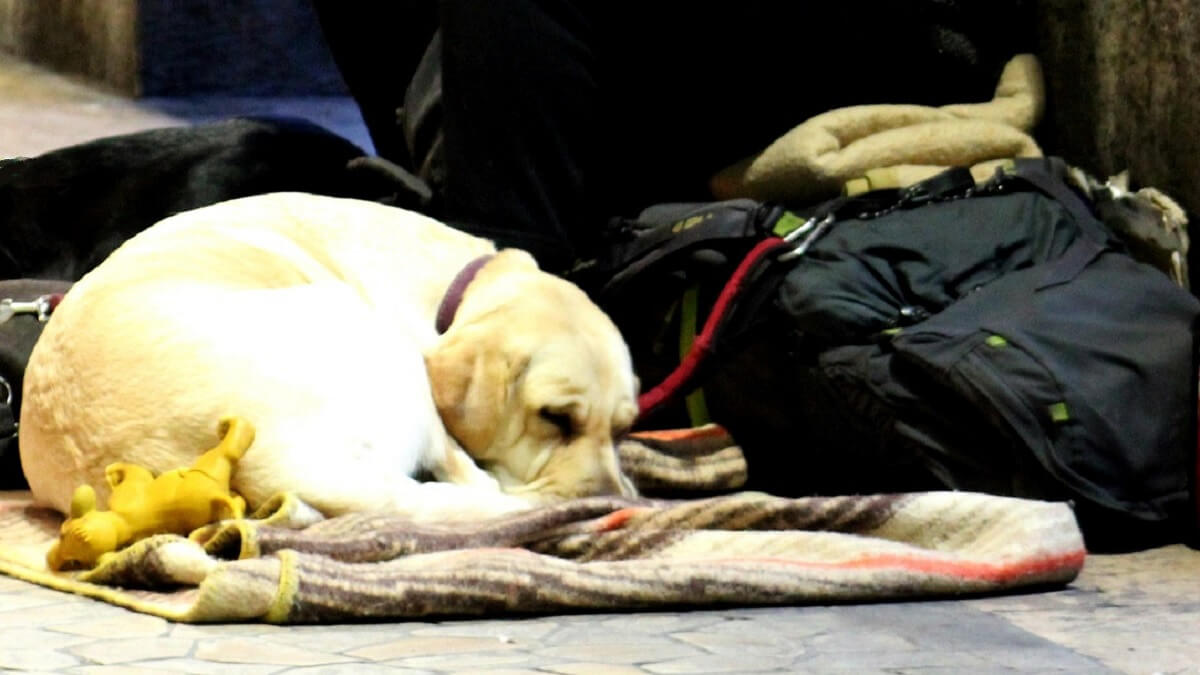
(559,418)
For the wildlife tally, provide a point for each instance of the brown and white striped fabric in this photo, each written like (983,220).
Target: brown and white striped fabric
(288,564)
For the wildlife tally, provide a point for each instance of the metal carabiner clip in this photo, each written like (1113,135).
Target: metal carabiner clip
(811,231)
(41,306)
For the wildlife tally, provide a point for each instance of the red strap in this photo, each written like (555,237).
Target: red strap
(702,346)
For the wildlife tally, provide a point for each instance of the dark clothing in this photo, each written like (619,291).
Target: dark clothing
(558,115)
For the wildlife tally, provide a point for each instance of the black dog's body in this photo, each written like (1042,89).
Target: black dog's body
(63,212)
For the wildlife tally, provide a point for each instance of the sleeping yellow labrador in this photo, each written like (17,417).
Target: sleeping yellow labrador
(316,318)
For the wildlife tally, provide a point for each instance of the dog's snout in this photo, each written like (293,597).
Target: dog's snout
(612,483)
(628,489)
(608,479)
(585,469)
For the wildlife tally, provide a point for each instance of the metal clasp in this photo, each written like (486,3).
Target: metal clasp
(806,234)
(41,307)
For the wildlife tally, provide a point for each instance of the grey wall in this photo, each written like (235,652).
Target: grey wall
(1123,89)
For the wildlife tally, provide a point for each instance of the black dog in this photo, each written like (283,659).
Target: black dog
(63,212)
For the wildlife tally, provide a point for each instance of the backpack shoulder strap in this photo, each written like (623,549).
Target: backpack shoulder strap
(1048,175)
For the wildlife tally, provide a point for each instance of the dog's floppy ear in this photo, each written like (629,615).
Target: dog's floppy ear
(512,259)
(471,381)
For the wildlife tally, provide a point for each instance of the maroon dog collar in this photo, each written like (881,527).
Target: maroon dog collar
(454,294)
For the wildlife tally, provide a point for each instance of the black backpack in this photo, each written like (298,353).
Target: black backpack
(993,337)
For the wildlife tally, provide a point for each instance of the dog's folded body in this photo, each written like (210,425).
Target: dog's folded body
(314,318)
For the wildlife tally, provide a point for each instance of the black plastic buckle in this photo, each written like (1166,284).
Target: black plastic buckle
(950,184)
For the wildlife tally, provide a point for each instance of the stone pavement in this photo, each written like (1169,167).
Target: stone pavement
(1135,613)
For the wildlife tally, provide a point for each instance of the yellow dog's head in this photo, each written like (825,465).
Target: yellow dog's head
(535,382)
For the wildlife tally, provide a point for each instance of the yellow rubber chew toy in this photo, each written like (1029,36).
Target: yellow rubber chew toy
(140,505)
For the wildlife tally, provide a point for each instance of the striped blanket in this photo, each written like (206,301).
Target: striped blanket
(288,564)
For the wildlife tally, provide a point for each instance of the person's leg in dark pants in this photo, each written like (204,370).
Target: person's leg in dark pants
(376,46)
(521,123)
(561,114)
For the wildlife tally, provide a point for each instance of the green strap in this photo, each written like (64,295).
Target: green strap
(697,406)
(786,223)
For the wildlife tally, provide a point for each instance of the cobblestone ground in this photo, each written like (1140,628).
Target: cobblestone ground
(1136,613)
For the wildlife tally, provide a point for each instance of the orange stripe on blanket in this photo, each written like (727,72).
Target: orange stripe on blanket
(964,570)
(618,518)
(705,431)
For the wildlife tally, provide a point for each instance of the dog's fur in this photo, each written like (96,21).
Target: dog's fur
(63,212)
(313,317)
